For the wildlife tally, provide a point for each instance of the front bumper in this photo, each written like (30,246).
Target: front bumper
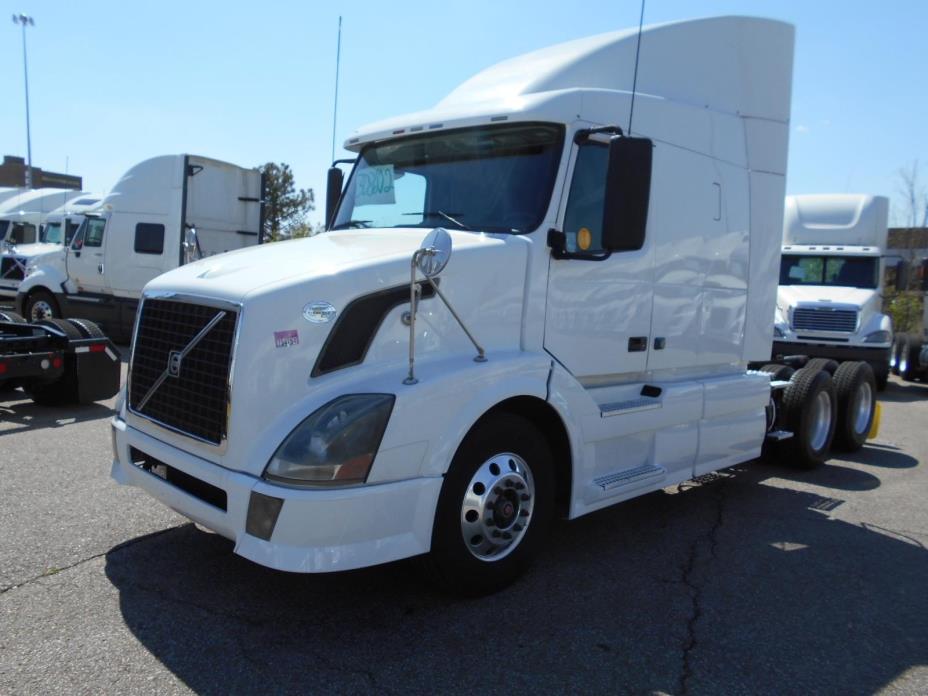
(316,531)
(839,352)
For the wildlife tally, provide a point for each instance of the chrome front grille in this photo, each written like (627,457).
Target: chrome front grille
(823,319)
(181,362)
(12,268)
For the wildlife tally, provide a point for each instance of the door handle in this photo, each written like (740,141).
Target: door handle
(637,344)
(100,268)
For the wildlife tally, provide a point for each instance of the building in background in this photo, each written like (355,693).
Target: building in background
(13,173)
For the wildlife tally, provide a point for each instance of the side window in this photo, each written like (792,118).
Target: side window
(23,233)
(149,238)
(70,229)
(583,219)
(93,235)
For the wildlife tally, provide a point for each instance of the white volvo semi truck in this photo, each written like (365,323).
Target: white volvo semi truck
(830,297)
(528,303)
(163,212)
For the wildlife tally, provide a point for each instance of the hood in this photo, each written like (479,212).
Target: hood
(237,274)
(30,251)
(793,295)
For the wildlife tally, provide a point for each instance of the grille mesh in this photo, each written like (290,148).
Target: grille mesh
(810,319)
(195,401)
(10,270)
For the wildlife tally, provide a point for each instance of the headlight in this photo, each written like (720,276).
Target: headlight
(334,446)
(877,337)
(778,332)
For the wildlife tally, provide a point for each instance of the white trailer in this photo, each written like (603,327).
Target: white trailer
(830,296)
(163,212)
(55,231)
(581,333)
(8,192)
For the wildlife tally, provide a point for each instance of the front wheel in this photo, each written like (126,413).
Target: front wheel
(495,507)
(41,304)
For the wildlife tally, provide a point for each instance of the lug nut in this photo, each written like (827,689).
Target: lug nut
(525,496)
(523,512)
(509,484)
(520,486)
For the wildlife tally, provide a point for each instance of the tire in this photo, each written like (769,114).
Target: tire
(810,391)
(778,373)
(898,340)
(69,329)
(41,304)
(881,375)
(87,328)
(500,454)
(908,358)
(6,315)
(826,364)
(855,388)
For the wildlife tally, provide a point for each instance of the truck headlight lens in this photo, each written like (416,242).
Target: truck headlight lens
(334,446)
(877,337)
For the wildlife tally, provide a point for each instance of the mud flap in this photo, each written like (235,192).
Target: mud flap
(95,371)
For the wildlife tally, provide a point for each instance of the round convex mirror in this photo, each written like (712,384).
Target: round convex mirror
(435,252)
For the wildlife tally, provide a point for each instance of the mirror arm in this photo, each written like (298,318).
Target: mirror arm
(481,355)
(413,287)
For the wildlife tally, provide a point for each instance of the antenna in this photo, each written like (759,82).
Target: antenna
(338,58)
(631,111)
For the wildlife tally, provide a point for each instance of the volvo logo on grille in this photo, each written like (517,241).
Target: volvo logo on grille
(175,358)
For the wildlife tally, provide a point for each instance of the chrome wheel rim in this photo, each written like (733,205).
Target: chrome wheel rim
(903,362)
(863,405)
(821,420)
(497,507)
(41,310)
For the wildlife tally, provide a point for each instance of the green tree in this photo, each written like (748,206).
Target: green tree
(285,206)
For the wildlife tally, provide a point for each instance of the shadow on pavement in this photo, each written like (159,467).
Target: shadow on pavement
(731,585)
(898,391)
(15,408)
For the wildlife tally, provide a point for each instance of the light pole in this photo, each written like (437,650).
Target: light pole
(25,21)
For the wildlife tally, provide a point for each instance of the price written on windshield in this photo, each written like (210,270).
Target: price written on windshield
(375,186)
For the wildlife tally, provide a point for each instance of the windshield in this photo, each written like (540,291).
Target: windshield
(839,271)
(494,179)
(51,233)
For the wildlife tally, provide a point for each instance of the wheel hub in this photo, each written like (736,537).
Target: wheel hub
(497,507)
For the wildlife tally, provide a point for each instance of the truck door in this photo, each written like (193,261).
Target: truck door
(598,317)
(223,204)
(85,257)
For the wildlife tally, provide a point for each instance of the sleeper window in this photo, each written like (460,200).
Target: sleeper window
(583,220)
(149,238)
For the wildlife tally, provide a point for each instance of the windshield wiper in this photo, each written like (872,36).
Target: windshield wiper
(441,213)
(352,224)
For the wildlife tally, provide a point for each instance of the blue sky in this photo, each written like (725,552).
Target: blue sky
(112,83)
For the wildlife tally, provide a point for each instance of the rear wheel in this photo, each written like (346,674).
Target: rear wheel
(87,328)
(908,358)
(809,412)
(66,327)
(855,388)
(826,364)
(894,353)
(495,507)
(778,373)
(6,315)
(41,304)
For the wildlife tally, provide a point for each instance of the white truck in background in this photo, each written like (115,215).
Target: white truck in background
(830,295)
(8,192)
(55,231)
(21,215)
(162,213)
(583,332)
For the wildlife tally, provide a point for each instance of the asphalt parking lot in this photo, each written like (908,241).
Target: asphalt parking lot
(759,580)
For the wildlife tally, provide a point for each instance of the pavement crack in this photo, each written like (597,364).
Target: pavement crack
(55,570)
(709,542)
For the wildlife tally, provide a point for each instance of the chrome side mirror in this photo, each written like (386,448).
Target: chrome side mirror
(434,252)
(430,259)
(192,251)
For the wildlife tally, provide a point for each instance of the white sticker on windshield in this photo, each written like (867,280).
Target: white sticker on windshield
(375,186)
